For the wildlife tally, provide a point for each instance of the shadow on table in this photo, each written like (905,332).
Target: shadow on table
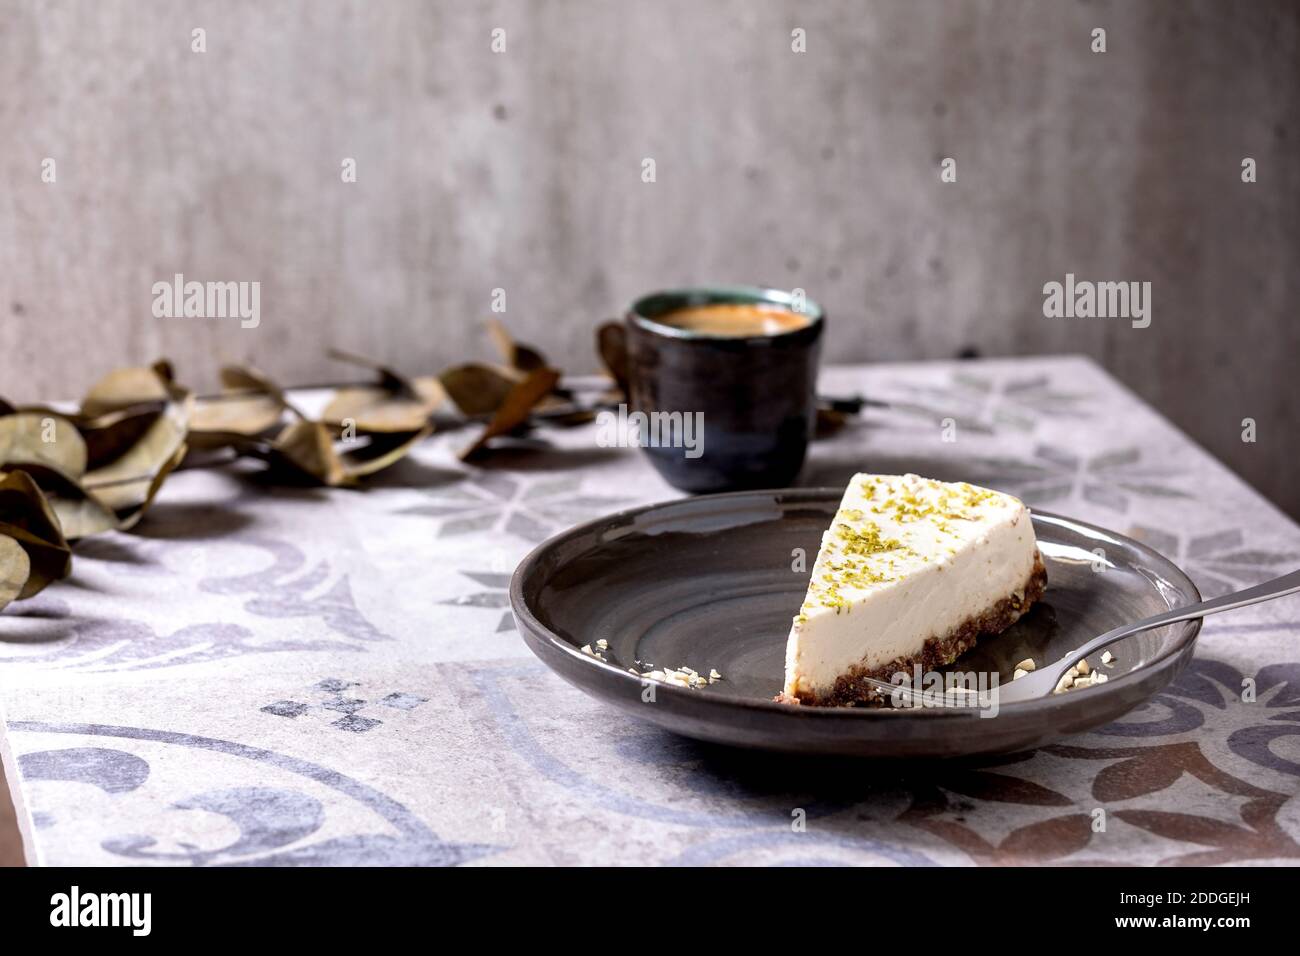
(411,473)
(185,521)
(835,472)
(44,619)
(523,455)
(851,798)
(761,772)
(110,548)
(540,456)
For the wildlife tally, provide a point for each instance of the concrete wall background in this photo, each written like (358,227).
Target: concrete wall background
(522,170)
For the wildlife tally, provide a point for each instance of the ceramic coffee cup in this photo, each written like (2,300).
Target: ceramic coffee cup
(721,383)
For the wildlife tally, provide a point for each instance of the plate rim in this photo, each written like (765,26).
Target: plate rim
(530,626)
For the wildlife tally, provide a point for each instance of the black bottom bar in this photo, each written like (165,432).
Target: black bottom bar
(338,906)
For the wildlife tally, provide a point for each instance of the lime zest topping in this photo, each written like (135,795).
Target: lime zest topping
(859,555)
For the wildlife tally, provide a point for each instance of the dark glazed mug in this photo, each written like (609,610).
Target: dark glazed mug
(752,396)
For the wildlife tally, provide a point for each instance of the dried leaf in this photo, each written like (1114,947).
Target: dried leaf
(390,416)
(32,438)
(308,448)
(478,389)
(84,516)
(26,517)
(132,513)
(381,451)
(228,419)
(109,436)
(395,405)
(245,378)
(373,409)
(562,413)
(520,357)
(127,387)
(611,344)
(514,411)
(129,498)
(15,569)
(127,484)
(389,379)
(80,513)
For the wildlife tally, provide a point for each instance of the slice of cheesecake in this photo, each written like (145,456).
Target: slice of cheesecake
(911,571)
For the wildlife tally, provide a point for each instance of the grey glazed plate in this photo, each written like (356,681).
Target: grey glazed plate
(707,583)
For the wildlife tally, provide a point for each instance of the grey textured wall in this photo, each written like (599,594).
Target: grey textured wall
(521,170)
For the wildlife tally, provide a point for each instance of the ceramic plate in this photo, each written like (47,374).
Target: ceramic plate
(707,583)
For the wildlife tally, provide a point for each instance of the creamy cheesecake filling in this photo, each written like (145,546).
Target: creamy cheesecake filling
(909,562)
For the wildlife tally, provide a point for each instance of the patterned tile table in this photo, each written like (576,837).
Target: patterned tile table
(292,676)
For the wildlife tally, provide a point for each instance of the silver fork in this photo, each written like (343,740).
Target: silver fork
(1044,680)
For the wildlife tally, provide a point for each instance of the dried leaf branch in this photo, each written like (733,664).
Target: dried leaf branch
(68,475)
(27,519)
(394,405)
(514,409)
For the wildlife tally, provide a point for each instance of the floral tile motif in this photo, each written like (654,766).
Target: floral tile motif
(102,645)
(1214,726)
(1213,700)
(984,405)
(1199,779)
(1111,480)
(512,504)
(278,819)
(343,711)
(1219,562)
(291,587)
(494,596)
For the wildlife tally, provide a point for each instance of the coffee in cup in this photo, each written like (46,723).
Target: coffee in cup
(741,361)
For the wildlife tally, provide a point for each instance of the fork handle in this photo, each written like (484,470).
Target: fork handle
(1278,587)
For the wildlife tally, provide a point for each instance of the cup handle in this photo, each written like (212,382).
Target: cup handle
(611,345)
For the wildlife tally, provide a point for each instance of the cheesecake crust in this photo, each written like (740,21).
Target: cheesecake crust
(937,651)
